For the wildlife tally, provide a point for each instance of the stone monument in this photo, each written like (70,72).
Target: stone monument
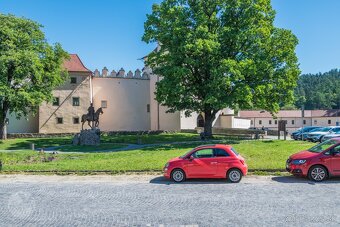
(89,136)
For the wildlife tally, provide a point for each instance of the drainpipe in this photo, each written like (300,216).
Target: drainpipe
(91,89)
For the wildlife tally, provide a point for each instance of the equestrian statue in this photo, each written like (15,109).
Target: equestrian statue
(91,117)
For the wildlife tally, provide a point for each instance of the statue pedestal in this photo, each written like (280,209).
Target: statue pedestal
(87,137)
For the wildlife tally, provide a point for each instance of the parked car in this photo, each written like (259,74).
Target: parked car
(317,163)
(306,135)
(207,161)
(297,135)
(316,136)
(330,136)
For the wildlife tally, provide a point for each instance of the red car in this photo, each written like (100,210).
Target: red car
(207,161)
(318,163)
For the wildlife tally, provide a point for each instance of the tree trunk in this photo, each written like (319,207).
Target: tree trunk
(3,115)
(208,120)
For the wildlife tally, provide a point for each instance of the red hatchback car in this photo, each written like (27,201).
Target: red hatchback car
(318,163)
(207,161)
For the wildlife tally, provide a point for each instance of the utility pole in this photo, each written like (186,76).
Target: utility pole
(302,116)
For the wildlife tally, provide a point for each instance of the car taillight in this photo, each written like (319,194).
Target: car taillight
(242,161)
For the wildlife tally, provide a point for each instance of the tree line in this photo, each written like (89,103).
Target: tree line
(318,91)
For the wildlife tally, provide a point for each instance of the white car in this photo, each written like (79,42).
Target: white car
(317,136)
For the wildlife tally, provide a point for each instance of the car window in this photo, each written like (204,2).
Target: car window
(336,149)
(220,153)
(336,129)
(204,153)
(323,146)
(233,150)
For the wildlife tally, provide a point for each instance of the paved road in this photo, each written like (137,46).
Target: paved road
(153,201)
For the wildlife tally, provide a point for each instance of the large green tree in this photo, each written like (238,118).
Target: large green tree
(220,53)
(29,67)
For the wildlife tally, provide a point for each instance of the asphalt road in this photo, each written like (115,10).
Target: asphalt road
(154,201)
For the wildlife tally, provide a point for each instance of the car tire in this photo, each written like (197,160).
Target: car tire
(178,175)
(317,173)
(234,175)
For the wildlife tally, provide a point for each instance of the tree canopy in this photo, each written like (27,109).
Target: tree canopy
(318,91)
(30,68)
(221,53)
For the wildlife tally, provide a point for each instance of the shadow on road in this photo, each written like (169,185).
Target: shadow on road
(302,180)
(163,180)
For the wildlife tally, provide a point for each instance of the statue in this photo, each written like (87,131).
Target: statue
(91,117)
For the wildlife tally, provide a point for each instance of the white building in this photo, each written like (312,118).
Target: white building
(294,118)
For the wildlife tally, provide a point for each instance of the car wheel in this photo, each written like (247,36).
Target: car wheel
(178,175)
(234,175)
(317,173)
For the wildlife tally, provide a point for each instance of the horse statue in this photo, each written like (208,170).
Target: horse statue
(94,119)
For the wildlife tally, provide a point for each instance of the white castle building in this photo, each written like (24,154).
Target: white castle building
(127,99)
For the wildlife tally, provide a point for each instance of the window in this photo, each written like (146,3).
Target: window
(270,122)
(276,122)
(260,122)
(104,104)
(251,122)
(73,80)
(76,120)
(235,152)
(59,120)
(75,101)
(329,122)
(204,153)
(148,108)
(304,122)
(315,122)
(293,122)
(55,101)
(220,153)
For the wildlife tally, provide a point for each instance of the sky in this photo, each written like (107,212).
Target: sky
(108,32)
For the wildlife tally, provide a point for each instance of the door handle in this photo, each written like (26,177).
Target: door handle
(213,162)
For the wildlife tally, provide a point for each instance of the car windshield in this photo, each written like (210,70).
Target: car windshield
(324,129)
(337,130)
(183,156)
(323,146)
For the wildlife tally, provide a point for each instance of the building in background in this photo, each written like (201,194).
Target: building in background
(128,101)
(294,118)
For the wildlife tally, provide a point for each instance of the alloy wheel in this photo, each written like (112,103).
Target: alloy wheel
(318,174)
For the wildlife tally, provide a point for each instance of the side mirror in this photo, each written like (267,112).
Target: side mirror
(191,158)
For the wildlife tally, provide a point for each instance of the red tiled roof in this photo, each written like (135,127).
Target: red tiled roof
(289,113)
(74,64)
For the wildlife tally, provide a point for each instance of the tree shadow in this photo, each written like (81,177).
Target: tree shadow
(303,180)
(165,181)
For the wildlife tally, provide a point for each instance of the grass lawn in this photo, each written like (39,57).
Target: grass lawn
(23,144)
(260,155)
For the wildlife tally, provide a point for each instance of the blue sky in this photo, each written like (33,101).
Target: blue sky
(108,32)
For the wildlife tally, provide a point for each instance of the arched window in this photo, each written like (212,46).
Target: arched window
(200,121)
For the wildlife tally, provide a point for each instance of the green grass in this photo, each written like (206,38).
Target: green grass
(103,146)
(260,155)
(106,141)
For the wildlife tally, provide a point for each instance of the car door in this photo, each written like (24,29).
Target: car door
(335,160)
(224,161)
(202,164)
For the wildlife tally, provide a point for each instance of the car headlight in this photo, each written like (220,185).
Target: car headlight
(299,161)
(166,165)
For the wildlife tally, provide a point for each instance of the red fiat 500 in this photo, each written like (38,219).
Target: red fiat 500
(318,163)
(208,161)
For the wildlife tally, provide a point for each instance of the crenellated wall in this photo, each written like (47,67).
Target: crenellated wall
(138,74)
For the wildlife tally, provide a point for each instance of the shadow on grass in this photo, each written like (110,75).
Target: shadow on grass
(38,143)
(268,141)
(303,180)
(185,145)
(165,181)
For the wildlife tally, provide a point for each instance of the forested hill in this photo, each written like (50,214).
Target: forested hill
(319,91)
